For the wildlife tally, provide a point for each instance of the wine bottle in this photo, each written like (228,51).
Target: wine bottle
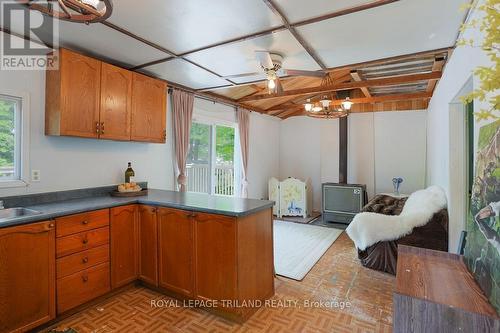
(129,174)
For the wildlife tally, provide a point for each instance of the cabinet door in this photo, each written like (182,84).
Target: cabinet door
(148,241)
(175,254)
(124,243)
(149,109)
(215,244)
(80,94)
(27,276)
(116,97)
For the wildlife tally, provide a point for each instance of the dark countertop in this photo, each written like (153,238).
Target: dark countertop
(188,201)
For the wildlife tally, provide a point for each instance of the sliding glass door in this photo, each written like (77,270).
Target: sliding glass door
(211,159)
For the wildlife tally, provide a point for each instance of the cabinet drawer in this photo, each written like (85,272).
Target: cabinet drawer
(81,241)
(82,287)
(73,224)
(82,260)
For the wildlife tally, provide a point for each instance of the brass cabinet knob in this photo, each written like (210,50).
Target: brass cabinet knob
(85,222)
(85,278)
(85,260)
(85,241)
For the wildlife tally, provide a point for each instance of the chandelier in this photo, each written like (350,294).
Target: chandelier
(324,108)
(82,11)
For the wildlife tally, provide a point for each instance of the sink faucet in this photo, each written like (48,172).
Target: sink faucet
(1,204)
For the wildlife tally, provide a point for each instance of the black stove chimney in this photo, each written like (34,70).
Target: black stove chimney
(343,150)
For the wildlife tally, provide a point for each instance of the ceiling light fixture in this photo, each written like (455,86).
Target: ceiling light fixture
(347,104)
(308,106)
(81,11)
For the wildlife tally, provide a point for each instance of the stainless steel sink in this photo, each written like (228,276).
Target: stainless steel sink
(16,212)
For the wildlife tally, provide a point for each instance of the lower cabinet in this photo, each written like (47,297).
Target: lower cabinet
(81,287)
(148,245)
(216,254)
(83,261)
(175,251)
(27,276)
(124,245)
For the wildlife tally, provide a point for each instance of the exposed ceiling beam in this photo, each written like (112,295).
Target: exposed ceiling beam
(349,85)
(437,66)
(277,11)
(357,77)
(343,12)
(358,65)
(374,99)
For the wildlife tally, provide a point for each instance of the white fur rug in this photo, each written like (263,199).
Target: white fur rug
(367,229)
(297,247)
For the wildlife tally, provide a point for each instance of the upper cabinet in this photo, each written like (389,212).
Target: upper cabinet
(72,96)
(148,102)
(92,99)
(116,103)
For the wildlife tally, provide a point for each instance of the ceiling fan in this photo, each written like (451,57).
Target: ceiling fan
(271,64)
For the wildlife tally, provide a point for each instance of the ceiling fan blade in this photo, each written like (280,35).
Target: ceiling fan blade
(279,86)
(298,72)
(264,58)
(241,75)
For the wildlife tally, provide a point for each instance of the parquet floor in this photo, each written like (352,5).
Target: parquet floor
(337,277)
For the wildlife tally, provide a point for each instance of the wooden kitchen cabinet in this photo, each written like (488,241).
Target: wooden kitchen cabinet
(124,245)
(73,96)
(116,103)
(175,250)
(149,104)
(216,253)
(27,276)
(88,98)
(148,245)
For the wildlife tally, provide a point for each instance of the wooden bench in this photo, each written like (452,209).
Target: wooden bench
(435,292)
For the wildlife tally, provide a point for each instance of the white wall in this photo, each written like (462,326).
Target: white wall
(400,150)
(263,161)
(457,73)
(381,146)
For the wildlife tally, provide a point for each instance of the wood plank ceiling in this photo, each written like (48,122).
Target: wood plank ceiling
(166,39)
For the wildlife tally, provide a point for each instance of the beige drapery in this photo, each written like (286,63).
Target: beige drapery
(243,118)
(182,114)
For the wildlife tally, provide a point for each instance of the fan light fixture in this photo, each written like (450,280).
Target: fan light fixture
(81,11)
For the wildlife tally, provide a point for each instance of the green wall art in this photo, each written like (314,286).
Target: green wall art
(482,250)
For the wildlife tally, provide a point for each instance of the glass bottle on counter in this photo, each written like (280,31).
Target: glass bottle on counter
(129,174)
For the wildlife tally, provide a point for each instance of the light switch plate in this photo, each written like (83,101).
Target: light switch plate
(35,175)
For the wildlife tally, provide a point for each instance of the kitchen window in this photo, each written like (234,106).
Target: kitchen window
(12,139)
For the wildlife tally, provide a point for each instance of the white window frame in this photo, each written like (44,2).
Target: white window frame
(22,140)
(212,121)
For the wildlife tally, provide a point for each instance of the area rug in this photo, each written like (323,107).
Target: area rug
(297,247)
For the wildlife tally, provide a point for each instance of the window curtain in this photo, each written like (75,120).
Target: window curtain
(243,118)
(182,114)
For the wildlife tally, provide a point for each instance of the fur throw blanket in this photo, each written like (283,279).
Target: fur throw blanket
(367,229)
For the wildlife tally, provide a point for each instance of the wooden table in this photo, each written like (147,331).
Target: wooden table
(435,292)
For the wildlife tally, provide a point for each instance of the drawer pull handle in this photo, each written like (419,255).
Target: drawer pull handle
(85,260)
(85,278)
(85,222)
(85,241)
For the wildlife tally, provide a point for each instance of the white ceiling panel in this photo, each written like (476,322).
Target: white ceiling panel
(299,10)
(182,72)
(403,27)
(183,25)
(99,41)
(239,58)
